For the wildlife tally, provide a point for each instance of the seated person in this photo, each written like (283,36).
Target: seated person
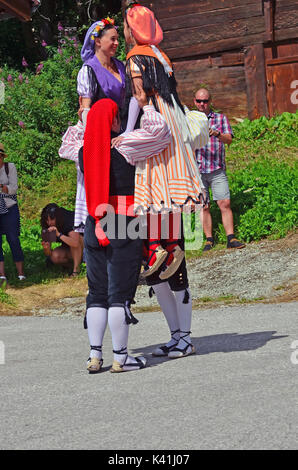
(61,221)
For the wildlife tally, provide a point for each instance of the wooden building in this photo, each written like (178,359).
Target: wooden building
(246,51)
(15,8)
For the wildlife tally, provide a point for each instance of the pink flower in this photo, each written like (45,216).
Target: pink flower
(21,78)
(27,80)
(9,78)
(22,124)
(24,62)
(39,69)
(60,27)
(59,50)
(44,44)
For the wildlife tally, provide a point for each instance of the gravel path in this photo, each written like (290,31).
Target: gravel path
(261,271)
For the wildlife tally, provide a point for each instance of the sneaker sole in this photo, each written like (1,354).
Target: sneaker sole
(156,265)
(117,369)
(174,266)
(193,351)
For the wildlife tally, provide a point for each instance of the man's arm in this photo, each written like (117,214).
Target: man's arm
(224,138)
(226,135)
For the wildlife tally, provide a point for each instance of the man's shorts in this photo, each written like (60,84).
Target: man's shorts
(218,182)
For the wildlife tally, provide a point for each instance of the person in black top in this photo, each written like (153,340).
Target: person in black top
(57,224)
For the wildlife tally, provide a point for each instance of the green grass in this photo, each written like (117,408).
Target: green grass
(4,297)
(263,176)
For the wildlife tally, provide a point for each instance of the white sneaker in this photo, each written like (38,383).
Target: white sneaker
(138,363)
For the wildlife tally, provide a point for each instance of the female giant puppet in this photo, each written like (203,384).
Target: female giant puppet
(168,180)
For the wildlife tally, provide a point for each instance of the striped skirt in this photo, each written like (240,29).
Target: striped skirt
(170,179)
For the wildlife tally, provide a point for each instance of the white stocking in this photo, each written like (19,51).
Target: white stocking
(119,331)
(97,318)
(167,302)
(184,315)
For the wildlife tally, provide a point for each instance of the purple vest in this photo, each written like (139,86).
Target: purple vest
(108,82)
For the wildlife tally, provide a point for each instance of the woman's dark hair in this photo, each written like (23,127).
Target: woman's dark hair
(105,29)
(54,212)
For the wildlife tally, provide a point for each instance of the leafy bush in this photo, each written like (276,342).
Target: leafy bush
(263,179)
(279,131)
(264,199)
(40,106)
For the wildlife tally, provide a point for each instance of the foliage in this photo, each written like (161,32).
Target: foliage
(38,109)
(262,171)
(279,131)
(19,39)
(263,201)
(41,103)
(5,298)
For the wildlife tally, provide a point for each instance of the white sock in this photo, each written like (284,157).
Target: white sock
(168,304)
(97,318)
(184,315)
(119,331)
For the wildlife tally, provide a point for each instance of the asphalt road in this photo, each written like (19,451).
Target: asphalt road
(238,392)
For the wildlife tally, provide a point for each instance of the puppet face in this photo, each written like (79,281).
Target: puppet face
(108,42)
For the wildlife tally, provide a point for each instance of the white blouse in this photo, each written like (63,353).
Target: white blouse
(11,181)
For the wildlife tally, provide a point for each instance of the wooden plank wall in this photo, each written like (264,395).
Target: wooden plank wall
(204,27)
(219,43)
(223,74)
(286,20)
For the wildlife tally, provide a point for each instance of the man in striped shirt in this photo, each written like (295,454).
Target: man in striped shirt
(212,166)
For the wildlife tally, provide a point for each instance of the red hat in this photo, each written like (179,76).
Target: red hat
(144,26)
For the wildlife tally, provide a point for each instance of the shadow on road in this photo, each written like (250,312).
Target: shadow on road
(228,342)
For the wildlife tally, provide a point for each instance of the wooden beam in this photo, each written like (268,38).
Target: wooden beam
(283,60)
(255,76)
(19,8)
(269,19)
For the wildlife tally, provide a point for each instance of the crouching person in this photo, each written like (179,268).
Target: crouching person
(58,226)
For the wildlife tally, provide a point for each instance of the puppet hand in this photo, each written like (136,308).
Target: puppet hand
(116,141)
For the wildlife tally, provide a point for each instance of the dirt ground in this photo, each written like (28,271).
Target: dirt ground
(261,272)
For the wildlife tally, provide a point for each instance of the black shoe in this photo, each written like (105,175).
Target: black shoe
(209,245)
(234,243)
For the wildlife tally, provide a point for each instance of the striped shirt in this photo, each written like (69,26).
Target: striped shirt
(212,156)
(72,141)
(170,177)
(153,137)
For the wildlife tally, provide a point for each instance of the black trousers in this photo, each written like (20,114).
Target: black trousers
(112,271)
